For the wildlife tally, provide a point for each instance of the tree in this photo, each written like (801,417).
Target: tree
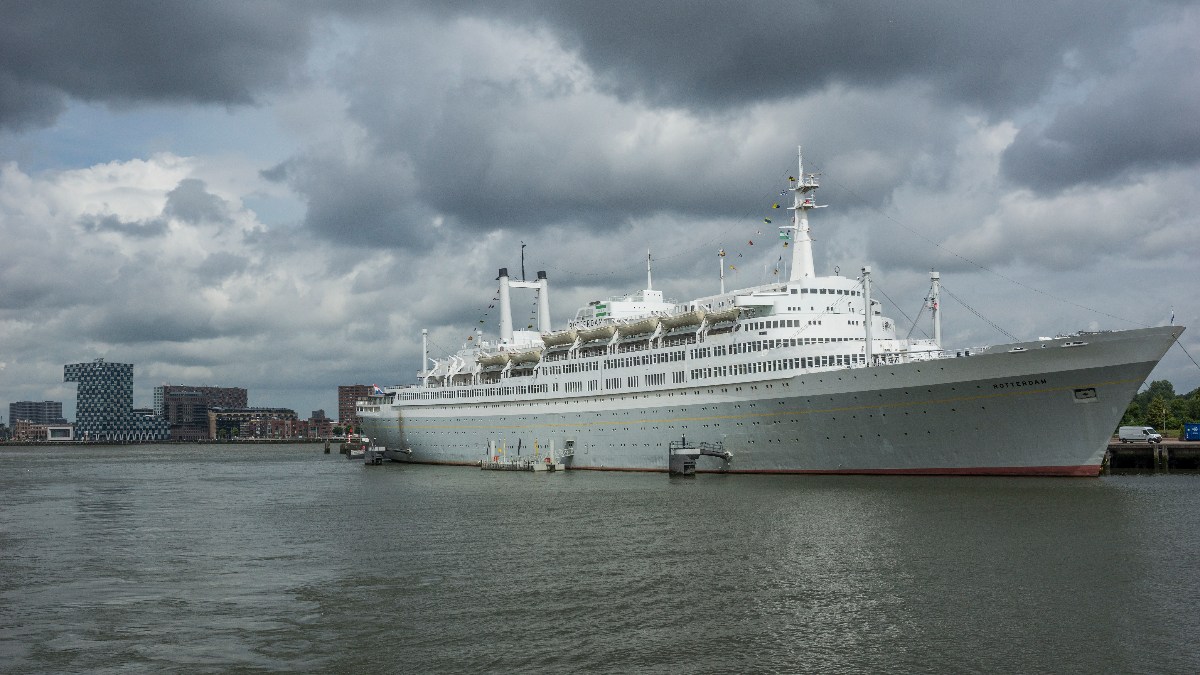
(1178,411)
(1191,408)
(1158,414)
(1133,415)
(1160,388)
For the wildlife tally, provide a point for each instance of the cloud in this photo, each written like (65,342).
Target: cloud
(111,223)
(1140,117)
(525,137)
(192,203)
(128,52)
(729,55)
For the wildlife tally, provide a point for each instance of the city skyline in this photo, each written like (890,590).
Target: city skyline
(67,407)
(281,196)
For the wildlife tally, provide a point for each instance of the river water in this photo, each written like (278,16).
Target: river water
(220,558)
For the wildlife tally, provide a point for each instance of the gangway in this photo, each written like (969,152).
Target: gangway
(682,456)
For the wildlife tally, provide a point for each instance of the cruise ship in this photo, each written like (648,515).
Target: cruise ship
(805,375)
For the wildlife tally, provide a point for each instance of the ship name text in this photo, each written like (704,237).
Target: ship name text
(1018,383)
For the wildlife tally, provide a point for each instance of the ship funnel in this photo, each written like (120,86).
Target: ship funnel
(542,286)
(506,329)
(543,302)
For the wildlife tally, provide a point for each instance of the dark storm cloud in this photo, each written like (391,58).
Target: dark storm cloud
(143,51)
(1142,117)
(128,325)
(357,203)
(718,54)
(23,292)
(25,104)
(142,229)
(487,148)
(191,202)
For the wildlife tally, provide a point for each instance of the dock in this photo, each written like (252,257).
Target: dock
(1165,456)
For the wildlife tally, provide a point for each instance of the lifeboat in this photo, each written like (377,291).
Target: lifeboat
(692,318)
(494,359)
(639,327)
(596,332)
(562,337)
(530,356)
(729,314)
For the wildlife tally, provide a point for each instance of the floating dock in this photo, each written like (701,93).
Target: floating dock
(521,465)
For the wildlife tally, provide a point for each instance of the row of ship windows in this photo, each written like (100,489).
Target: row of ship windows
(798,323)
(569,368)
(761,345)
(649,380)
(645,359)
(635,381)
(592,385)
(827,291)
(779,364)
(477,391)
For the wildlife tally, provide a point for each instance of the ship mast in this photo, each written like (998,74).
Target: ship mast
(802,203)
(935,304)
(721,262)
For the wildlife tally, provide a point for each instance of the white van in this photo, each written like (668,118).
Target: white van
(1138,434)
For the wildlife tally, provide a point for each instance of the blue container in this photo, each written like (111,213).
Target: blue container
(1191,431)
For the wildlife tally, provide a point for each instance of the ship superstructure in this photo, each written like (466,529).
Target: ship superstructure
(803,375)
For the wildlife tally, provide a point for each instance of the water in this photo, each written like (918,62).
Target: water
(219,558)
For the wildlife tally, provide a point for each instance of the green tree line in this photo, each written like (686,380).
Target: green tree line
(1160,407)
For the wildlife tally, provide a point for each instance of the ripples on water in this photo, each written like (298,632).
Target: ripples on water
(282,558)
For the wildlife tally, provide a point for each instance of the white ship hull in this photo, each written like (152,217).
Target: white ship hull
(799,376)
(1046,407)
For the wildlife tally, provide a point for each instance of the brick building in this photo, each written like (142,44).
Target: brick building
(348,395)
(227,423)
(185,407)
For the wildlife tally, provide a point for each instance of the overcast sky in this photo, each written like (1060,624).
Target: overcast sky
(281,195)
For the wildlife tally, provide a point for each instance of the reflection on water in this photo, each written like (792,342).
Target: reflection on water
(283,558)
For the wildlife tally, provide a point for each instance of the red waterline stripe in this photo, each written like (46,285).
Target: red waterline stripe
(1080,470)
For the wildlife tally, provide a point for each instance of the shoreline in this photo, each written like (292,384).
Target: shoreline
(243,441)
